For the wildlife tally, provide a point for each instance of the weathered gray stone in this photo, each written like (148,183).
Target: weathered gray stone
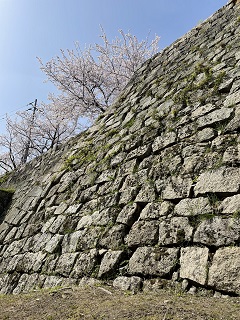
(128,214)
(8,282)
(133,284)
(54,244)
(89,238)
(4,229)
(231,155)
(153,261)
(128,196)
(185,284)
(146,194)
(28,262)
(194,264)
(230,205)
(104,217)
(177,188)
(73,209)
(156,209)
(10,235)
(232,99)
(173,166)
(56,224)
(85,222)
(50,263)
(9,264)
(214,117)
(217,294)
(204,135)
(118,159)
(55,281)
(218,231)
(157,285)
(200,111)
(139,178)
(192,207)
(224,273)
(186,131)
(89,207)
(85,195)
(14,248)
(128,167)
(109,263)
(89,282)
(224,181)
(66,181)
(14,215)
(175,231)
(28,283)
(84,264)
(65,263)
(192,290)
(140,152)
(164,141)
(234,123)
(113,238)
(143,233)
(107,175)
(61,208)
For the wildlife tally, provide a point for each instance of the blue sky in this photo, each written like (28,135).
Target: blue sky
(40,28)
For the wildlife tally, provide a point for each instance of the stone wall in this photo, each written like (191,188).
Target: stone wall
(151,191)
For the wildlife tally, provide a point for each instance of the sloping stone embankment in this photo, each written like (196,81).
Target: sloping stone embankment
(151,190)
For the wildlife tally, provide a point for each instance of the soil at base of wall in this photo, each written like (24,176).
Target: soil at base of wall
(108,303)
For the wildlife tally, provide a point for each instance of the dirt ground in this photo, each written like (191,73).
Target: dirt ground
(105,302)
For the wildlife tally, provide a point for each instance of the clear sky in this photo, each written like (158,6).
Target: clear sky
(40,28)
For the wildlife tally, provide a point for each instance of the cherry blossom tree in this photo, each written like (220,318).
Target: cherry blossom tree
(30,134)
(88,82)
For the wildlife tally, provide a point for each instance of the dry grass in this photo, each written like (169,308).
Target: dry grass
(109,303)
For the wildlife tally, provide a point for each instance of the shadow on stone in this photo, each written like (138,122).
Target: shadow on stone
(5,199)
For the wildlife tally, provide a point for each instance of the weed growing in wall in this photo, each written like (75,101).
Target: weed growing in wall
(209,81)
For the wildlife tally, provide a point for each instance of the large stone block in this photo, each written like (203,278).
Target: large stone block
(192,207)
(224,181)
(143,233)
(155,210)
(109,263)
(54,281)
(232,99)
(224,273)
(65,264)
(128,283)
(113,238)
(177,188)
(218,231)
(214,117)
(84,264)
(164,141)
(151,261)
(54,243)
(194,264)
(128,214)
(29,282)
(230,205)
(8,282)
(175,231)
(146,194)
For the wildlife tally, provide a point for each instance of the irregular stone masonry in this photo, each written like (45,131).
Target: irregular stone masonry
(151,190)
